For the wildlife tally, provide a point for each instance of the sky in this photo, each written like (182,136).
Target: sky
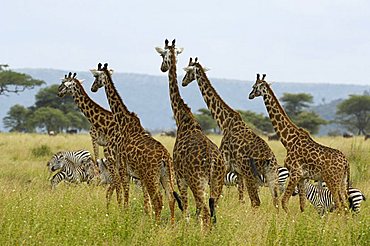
(320,41)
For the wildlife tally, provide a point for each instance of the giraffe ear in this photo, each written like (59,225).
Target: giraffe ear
(81,81)
(179,50)
(111,71)
(159,50)
(93,71)
(205,69)
(188,68)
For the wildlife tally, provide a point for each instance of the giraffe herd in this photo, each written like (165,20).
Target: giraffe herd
(197,163)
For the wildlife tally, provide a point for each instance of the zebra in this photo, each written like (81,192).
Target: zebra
(322,199)
(231,178)
(355,197)
(106,176)
(73,173)
(77,157)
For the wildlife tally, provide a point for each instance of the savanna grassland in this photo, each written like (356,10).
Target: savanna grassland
(32,214)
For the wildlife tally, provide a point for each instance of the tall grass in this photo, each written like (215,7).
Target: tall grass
(32,214)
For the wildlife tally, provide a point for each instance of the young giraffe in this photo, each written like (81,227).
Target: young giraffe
(142,156)
(197,160)
(245,152)
(306,159)
(102,127)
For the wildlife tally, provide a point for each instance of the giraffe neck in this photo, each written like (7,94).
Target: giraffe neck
(87,106)
(127,120)
(281,122)
(181,111)
(221,112)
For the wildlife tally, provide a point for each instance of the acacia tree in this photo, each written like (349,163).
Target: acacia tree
(259,121)
(296,106)
(17,119)
(354,113)
(51,119)
(13,82)
(49,113)
(296,103)
(207,123)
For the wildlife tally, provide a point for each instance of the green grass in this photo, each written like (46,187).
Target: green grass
(32,214)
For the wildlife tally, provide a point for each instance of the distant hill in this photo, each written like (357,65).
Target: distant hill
(147,95)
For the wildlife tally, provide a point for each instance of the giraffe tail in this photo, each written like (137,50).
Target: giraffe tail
(178,200)
(213,187)
(254,170)
(212,209)
(348,177)
(170,172)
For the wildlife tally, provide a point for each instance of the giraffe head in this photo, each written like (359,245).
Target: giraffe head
(192,70)
(68,84)
(100,76)
(259,88)
(166,53)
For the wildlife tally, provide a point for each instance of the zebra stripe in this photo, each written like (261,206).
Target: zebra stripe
(73,173)
(106,176)
(355,197)
(231,178)
(77,157)
(283,174)
(322,199)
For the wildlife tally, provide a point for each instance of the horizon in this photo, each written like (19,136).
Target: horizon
(211,77)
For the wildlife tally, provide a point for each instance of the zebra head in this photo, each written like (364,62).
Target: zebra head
(56,162)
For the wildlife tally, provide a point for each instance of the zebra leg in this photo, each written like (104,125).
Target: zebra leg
(56,179)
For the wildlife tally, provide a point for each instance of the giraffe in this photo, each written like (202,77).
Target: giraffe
(305,159)
(197,160)
(102,127)
(245,152)
(141,155)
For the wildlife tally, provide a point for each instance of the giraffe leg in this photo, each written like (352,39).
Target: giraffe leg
(293,181)
(126,189)
(147,205)
(273,184)
(253,192)
(183,189)
(199,197)
(334,188)
(240,186)
(216,186)
(152,187)
(165,181)
(344,193)
(302,195)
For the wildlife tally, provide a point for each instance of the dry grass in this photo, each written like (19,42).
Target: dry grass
(31,214)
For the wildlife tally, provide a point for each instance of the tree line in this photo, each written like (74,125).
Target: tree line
(51,113)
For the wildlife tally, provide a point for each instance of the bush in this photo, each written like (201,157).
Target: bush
(41,151)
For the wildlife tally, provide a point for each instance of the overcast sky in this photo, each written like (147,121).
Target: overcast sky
(290,40)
